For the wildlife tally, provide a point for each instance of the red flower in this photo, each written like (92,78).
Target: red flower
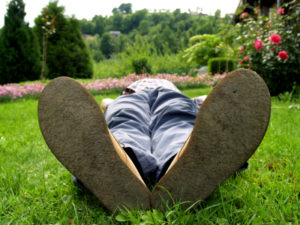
(241,48)
(272,49)
(280,11)
(268,24)
(244,15)
(258,44)
(283,55)
(258,35)
(275,38)
(246,58)
(240,63)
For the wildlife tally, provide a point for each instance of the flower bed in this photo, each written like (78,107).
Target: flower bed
(14,91)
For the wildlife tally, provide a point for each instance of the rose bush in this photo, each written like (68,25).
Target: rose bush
(271,47)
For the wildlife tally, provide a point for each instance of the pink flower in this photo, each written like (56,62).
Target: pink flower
(246,58)
(242,48)
(258,44)
(280,11)
(268,24)
(244,15)
(272,49)
(275,38)
(283,55)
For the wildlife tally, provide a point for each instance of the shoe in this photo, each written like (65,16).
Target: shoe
(229,127)
(75,130)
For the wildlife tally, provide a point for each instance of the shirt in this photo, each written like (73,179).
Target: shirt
(149,83)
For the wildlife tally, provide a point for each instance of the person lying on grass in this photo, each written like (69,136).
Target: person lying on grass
(153,134)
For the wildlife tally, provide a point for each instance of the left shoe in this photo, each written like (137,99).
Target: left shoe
(229,127)
(75,130)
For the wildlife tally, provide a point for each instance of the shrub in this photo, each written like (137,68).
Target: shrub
(221,65)
(141,66)
(67,54)
(204,47)
(98,56)
(271,47)
(19,48)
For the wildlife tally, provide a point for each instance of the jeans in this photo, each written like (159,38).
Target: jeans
(152,126)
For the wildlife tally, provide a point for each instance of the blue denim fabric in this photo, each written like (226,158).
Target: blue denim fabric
(153,123)
(151,126)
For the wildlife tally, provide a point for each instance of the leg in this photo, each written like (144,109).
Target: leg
(128,118)
(172,120)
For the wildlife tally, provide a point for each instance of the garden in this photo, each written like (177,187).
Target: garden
(36,189)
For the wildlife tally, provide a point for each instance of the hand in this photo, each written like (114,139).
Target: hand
(105,102)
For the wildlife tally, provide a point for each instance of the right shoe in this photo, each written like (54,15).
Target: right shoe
(229,127)
(75,130)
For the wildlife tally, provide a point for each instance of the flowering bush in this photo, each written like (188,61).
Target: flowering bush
(13,91)
(271,47)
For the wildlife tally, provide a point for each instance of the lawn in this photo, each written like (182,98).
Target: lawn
(36,189)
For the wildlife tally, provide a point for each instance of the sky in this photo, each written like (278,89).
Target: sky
(88,8)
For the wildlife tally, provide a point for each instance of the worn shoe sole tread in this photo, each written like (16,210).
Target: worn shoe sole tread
(229,127)
(75,130)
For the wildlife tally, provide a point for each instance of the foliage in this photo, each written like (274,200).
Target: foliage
(121,63)
(124,8)
(204,47)
(141,66)
(107,46)
(271,47)
(93,44)
(67,55)
(292,96)
(169,32)
(19,48)
(221,65)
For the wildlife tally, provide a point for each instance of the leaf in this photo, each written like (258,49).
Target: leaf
(121,218)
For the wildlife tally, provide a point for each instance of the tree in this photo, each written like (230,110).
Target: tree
(107,46)
(124,8)
(19,48)
(67,55)
(99,27)
(87,27)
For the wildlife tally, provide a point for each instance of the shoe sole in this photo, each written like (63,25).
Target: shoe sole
(229,127)
(75,130)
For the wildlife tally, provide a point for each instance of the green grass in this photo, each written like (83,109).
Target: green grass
(36,189)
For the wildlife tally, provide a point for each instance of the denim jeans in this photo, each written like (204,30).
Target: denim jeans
(152,126)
